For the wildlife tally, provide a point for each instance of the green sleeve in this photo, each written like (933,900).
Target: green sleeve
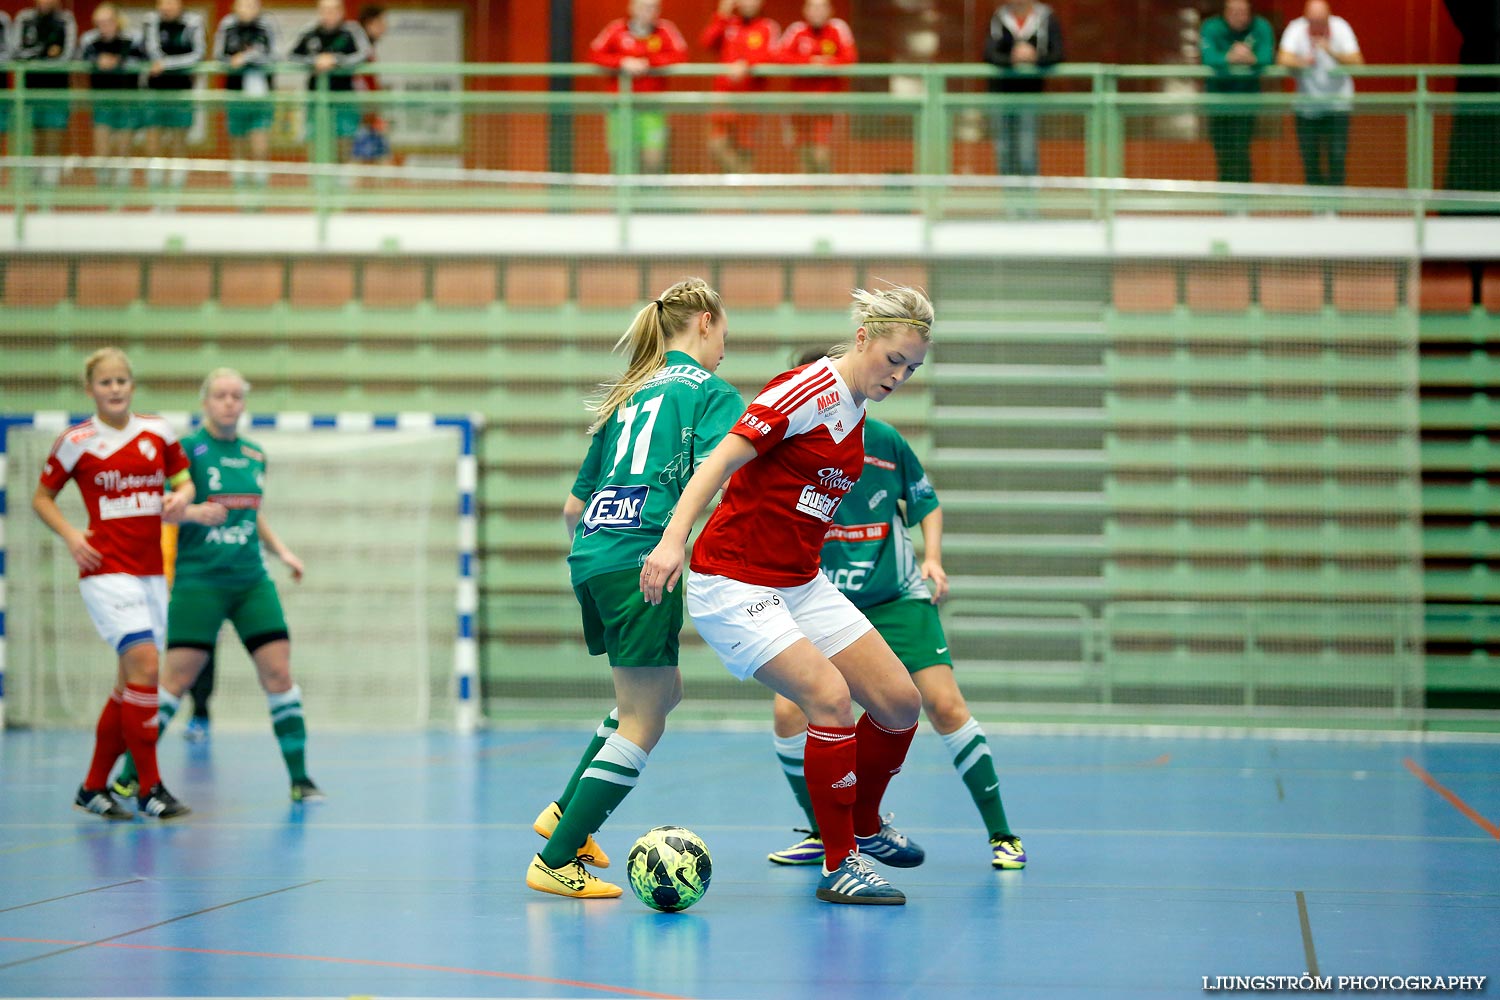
(1213,43)
(1262,42)
(921,499)
(588,472)
(723,411)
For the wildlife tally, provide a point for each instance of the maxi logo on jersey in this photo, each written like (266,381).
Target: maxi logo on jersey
(615,507)
(820,504)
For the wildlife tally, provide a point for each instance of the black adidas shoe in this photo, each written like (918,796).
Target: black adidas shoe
(161,804)
(100,803)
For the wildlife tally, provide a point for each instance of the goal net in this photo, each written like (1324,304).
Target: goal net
(374,514)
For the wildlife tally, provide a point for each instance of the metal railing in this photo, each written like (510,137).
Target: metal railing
(910,138)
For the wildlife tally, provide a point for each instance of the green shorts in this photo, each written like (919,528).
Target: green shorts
(197,610)
(168,110)
(124,115)
(649,131)
(914,631)
(242,118)
(618,621)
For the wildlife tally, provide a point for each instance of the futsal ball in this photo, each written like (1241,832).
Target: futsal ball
(669,868)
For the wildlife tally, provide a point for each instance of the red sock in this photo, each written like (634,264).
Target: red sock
(828,765)
(109,743)
(881,754)
(138,726)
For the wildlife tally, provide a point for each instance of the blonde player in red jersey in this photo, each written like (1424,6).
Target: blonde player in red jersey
(757,597)
(121,461)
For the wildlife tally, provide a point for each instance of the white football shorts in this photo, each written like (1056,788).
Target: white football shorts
(127,610)
(747,623)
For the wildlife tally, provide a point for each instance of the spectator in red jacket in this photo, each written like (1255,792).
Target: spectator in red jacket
(634,46)
(739,36)
(819,39)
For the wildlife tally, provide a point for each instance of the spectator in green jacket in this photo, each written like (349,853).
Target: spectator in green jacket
(1236,45)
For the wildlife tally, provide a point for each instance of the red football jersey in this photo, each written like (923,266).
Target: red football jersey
(830,45)
(733,38)
(664,46)
(810,443)
(121,474)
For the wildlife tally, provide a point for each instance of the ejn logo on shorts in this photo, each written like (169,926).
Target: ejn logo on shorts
(758,607)
(615,507)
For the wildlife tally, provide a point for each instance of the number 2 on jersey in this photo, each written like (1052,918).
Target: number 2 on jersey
(626,415)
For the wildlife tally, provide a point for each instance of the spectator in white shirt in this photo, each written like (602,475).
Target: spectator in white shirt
(1318,45)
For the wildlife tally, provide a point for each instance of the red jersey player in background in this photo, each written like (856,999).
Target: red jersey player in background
(122,462)
(737,35)
(757,597)
(634,46)
(819,39)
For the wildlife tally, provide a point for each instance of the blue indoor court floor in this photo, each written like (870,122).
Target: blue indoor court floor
(1155,861)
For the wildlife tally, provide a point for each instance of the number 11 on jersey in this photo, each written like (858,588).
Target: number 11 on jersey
(626,415)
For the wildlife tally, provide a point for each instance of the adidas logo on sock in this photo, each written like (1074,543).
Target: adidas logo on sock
(847,781)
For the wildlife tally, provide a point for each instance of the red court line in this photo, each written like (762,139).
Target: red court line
(1453,799)
(334,960)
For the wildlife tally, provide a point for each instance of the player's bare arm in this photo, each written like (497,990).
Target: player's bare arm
(44,502)
(278,548)
(663,567)
(572,513)
(932,554)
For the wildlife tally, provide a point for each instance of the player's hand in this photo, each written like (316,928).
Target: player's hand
(325,62)
(932,570)
(1023,52)
(292,563)
(635,65)
(174,507)
(208,513)
(108,60)
(739,69)
(661,570)
(238,59)
(156,68)
(85,555)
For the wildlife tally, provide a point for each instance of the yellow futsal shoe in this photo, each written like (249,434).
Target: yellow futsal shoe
(572,879)
(590,852)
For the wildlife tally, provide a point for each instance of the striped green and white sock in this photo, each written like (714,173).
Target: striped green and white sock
(606,781)
(970,751)
(790,751)
(606,729)
(291,731)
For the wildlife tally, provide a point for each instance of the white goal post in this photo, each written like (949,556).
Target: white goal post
(381,509)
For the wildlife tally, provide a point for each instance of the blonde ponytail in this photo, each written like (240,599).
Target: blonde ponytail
(658,322)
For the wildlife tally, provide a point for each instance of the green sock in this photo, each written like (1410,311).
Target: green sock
(606,729)
(971,756)
(291,731)
(167,705)
(605,783)
(790,750)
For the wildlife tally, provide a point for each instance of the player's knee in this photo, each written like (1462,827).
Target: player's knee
(787,718)
(904,705)
(826,701)
(947,711)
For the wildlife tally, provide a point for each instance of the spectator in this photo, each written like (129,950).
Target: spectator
(1234,45)
(328,45)
(46,34)
(1317,46)
(246,42)
(372,142)
(1024,37)
(739,36)
(819,39)
(117,59)
(634,46)
(175,42)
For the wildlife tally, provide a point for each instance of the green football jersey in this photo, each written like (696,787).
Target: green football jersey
(640,460)
(868,553)
(232,473)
